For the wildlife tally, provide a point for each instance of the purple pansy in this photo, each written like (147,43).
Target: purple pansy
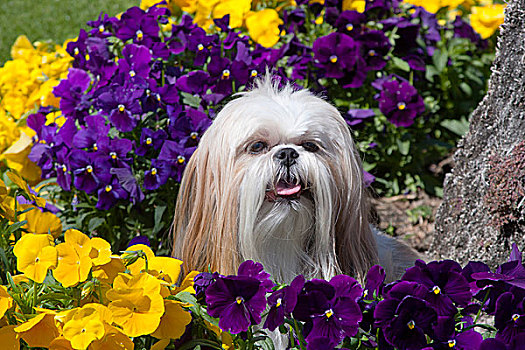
(446,287)
(374,47)
(336,53)
(330,309)
(73,100)
(282,302)
(90,173)
(139,26)
(109,194)
(400,102)
(238,302)
(157,175)
(177,156)
(122,106)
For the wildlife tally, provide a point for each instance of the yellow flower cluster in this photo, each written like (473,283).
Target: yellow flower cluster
(486,19)
(120,297)
(27,82)
(262,25)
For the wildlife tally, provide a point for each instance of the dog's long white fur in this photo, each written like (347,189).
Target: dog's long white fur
(224,217)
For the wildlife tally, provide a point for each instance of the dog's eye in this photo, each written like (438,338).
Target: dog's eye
(257,147)
(310,146)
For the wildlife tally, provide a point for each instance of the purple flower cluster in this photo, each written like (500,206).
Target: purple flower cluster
(434,306)
(141,92)
(128,126)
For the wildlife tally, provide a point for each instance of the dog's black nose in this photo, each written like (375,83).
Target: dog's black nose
(287,156)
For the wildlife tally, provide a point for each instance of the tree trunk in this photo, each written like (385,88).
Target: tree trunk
(481,214)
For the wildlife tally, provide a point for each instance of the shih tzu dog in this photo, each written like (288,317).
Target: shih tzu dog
(277,179)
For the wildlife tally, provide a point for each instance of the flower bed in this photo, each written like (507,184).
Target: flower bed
(103,126)
(78,294)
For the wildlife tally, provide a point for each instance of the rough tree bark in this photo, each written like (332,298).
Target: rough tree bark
(465,227)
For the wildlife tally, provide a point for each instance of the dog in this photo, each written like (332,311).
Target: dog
(277,179)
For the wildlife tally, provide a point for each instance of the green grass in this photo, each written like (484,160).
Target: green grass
(55,20)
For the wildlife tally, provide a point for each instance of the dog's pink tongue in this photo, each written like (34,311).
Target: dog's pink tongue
(284,189)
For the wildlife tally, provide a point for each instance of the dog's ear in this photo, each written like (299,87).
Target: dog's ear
(205,223)
(355,243)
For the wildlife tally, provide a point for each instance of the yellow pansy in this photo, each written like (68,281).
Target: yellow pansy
(6,302)
(22,184)
(187,284)
(85,327)
(6,202)
(60,343)
(174,321)
(35,255)
(263,27)
(107,272)
(100,253)
(113,339)
(203,11)
(136,303)
(354,5)
(165,268)
(140,264)
(74,261)
(237,9)
(145,4)
(39,222)
(71,268)
(9,132)
(434,6)
(17,157)
(9,338)
(486,19)
(225,337)
(40,330)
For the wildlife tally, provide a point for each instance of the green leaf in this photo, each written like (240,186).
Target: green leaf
(94,223)
(466,88)
(399,63)
(16,226)
(190,100)
(430,72)
(187,297)
(440,59)
(404,146)
(458,127)
(159,211)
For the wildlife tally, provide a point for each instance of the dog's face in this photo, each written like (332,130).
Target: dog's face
(276,179)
